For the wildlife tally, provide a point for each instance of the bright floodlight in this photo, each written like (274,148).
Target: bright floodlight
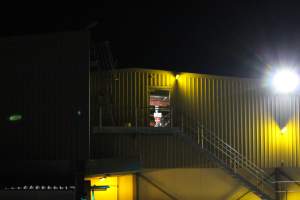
(285,81)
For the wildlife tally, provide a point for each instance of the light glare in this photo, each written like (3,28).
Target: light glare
(285,81)
(284,130)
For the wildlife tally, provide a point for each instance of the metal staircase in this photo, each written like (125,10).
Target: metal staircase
(237,165)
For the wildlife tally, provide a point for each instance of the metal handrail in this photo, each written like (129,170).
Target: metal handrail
(233,156)
(246,161)
(239,155)
(230,156)
(231,148)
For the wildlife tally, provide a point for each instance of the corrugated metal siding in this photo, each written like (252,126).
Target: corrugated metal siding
(129,90)
(126,92)
(240,111)
(245,115)
(153,151)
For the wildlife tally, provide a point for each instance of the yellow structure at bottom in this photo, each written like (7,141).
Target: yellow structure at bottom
(243,193)
(293,194)
(120,187)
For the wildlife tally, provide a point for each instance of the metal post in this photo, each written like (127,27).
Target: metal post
(100,117)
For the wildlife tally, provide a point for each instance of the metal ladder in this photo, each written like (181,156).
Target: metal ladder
(237,165)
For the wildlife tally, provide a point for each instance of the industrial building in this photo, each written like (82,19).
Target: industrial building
(76,127)
(194,136)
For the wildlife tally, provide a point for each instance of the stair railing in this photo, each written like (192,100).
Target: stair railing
(232,159)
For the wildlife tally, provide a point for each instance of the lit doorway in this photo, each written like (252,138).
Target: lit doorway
(117,187)
(159,108)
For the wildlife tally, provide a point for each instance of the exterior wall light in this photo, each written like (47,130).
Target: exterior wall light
(284,130)
(177,76)
(285,81)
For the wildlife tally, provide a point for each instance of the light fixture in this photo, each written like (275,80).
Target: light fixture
(284,130)
(103,178)
(177,76)
(285,80)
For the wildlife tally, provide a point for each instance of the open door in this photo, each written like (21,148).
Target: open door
(159,108)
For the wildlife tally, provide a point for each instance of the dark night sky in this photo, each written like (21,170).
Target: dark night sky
(241,39)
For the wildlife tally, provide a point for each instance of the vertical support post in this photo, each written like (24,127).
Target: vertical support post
(100,117)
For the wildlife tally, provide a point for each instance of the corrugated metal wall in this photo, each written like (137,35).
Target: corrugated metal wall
(246,115)
(123,93)
(152,151)
(241,111)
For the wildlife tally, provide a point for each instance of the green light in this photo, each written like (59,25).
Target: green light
(15,117)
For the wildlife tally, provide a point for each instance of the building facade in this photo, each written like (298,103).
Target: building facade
(141,114)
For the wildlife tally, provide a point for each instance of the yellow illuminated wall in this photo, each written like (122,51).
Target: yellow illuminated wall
(109,194)
(240,111)
(245,114)
(294,193)
(126,187)
(290,147)
(242,193)
(192,184)
(121,187)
